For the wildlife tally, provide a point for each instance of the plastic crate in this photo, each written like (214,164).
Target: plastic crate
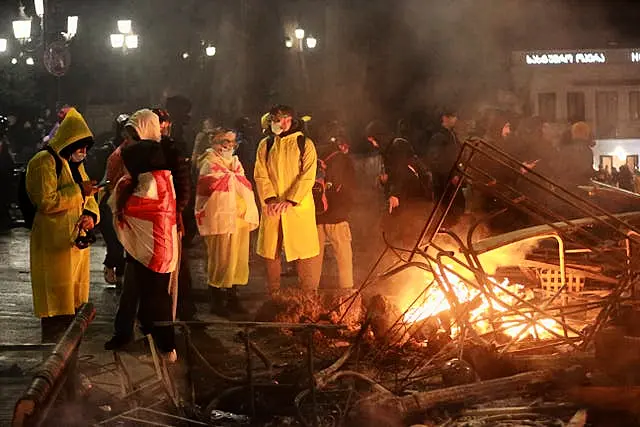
(551,280)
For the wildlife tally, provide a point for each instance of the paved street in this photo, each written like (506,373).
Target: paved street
(18,324)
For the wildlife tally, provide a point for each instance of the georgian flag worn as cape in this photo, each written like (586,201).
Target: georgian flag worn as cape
(147,228)
(219,187)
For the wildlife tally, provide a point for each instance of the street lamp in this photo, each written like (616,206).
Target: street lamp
(124,26)
(288,42)
(210,50)
(30,61)
(39,6)
(117,41)
(3,45)
(312,42)
(125,39)
(72,28)
(299,33)
(14,61)
(131,41)
(22,29)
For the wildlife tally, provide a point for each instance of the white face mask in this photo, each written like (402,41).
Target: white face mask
(226,153)
(276,128)
(78,157)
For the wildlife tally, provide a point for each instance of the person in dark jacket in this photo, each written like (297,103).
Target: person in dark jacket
(114,261)
(146,281)
(181,171)
(443,152)
(577,157)
(6,173)
(333,224)
(406,188)
(248,138)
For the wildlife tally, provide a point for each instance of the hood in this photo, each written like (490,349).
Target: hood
(72,129)
(147,125)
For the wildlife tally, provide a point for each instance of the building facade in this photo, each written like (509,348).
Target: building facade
(601,87)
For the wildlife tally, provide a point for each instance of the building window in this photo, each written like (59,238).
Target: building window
(634,105)
(575,107)
(606,114)
(547,106)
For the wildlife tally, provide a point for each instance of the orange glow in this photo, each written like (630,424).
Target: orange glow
(521,325)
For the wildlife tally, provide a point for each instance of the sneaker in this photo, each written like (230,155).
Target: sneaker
(110,276)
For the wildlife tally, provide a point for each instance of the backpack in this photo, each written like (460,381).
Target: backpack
(319,188)
(27,207)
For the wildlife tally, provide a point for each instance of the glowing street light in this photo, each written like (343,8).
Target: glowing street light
(72,26)
(288,42)
(312,42)
(124,26)
(30,61)
(131,41)
(14,61)
(117,41)
(185,55)
(3,45)
(39,7)
(22,29)
(210,51)
(125,39)
(299,33)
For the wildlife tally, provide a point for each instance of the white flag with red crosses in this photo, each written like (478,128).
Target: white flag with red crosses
(147,226)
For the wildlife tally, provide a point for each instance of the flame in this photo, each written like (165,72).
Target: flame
(519,326)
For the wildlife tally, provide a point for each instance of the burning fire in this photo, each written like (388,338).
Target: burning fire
(520,325)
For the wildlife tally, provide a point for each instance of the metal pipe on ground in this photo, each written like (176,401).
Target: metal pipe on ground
(33,406)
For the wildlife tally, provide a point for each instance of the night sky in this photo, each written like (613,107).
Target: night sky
(383,54)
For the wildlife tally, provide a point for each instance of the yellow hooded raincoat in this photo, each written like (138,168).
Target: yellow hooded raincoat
(59,270)
(282,177)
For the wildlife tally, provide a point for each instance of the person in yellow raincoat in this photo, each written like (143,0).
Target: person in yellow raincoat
(284,179)
(65,207)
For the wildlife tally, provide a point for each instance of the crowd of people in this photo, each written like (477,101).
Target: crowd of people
(158,189)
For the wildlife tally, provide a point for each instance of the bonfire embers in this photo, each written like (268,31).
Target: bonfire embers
(485,311)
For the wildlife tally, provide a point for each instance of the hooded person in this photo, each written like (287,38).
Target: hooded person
(144,206)
(65,209)
(284,176)
(226,213)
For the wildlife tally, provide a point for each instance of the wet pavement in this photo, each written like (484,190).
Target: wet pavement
(18,324)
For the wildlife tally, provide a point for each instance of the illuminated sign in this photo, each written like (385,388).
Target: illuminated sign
(635,56)
(570,58)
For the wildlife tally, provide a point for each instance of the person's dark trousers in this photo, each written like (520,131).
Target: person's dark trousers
(128,306)
(114,257)
(156,304)
(186,309)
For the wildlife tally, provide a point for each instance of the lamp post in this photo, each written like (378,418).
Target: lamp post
(124,41)
(299,34)
(300,40)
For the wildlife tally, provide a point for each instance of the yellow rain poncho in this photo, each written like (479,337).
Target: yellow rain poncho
(59,270)
(281,176)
